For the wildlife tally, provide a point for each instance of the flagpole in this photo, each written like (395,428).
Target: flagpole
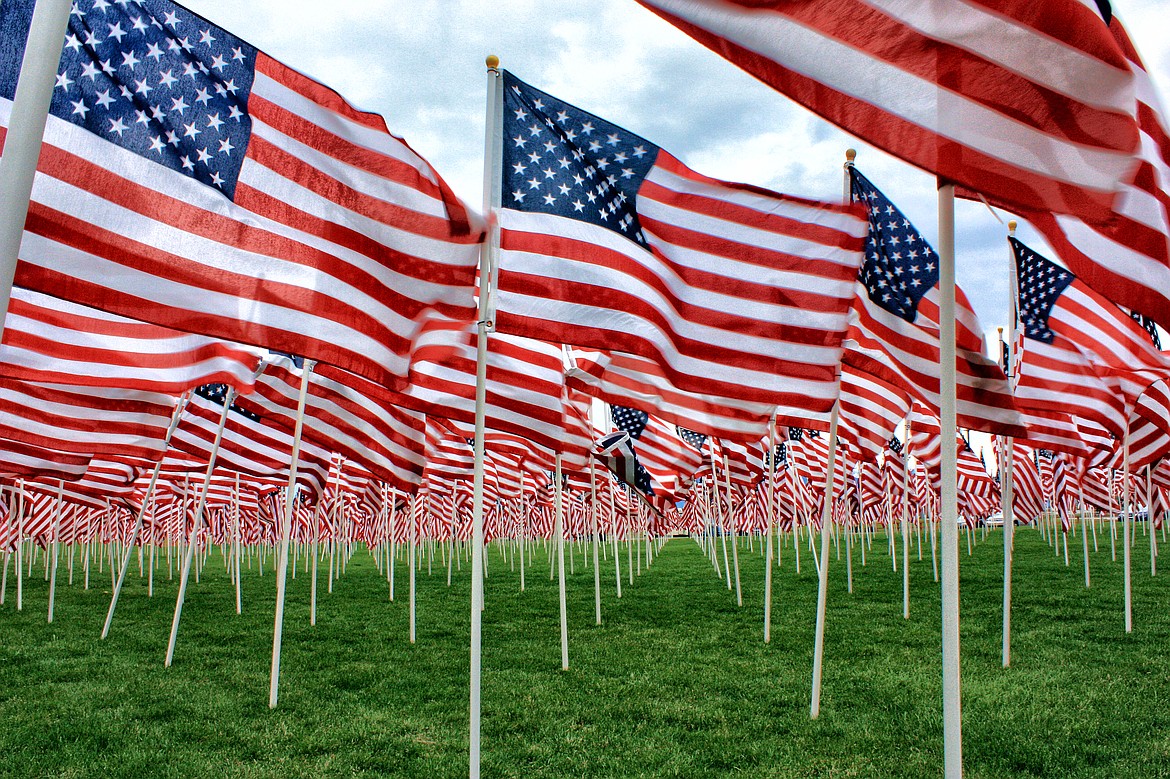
(560,531)
(593,517)
(771,521)
(823,568)
(1126,508)
(491,184)
(290,496)
(26,129)
(56,531)
(952,706)
(189,554)
(1007,470)
(178,412)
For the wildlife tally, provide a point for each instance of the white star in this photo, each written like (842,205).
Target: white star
(204,156)
(91,39)
(562,116)
(612,139)
(587,128)
(627,173)
(129,60)
(594,146)
(117,126)
(577,179)
(139,25)
(564,162)
(116,31)
(564,188)
(157,112)
(104,99)
(518,196)
(190,70)
(166,79)
(179,104)
(535,130)
(71,41)
(156,144)
(549,173)
(206,37)
(89,69)
(534,183)
(202,96)
(235,113)
(218,63)
(142,88)
(173,138)
(230,86)
(190,130)
(187,163)
(142,118)
(238,54)
(519,168)
(79,107)
(225,146)
(578,205)
(185,43)
(521,114)
(153,51)
(520,141)
(63,80)
(100,5)
(639,151)
(535,156)
(214,122)
(549,199)
(217,179)
(550,147)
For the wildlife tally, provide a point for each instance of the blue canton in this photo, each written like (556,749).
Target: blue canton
(558,159)
(900,267)
(633,421)
(1040,282)
(217,393)
(151,77)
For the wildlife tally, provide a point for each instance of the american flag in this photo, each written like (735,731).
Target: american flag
(1082,354)
(609,242)
(895,328)
(1128,257)
(995,98)
(189,180)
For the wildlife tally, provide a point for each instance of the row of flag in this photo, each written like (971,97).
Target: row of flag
(201,207)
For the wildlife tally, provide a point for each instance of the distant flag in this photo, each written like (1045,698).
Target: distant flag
(189,180)
(895,328)
(1030,104)
(607,241)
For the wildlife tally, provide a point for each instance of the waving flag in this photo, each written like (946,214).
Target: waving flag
(895,331)
(1082,354)
(607,241)
(189,180)
(1030,103)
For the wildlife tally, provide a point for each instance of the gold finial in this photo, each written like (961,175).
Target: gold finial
(1011,227)
(850,155)
(1000,329)
(493,62)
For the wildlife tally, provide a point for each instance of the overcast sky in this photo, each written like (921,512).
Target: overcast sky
(420,63)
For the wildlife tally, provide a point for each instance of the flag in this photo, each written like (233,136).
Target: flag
(894,333)
(1029,103)
(607,241)
(1082,354)
(1128,257)
(190,180)
(51,340)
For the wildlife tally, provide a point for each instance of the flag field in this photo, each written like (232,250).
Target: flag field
(677,682)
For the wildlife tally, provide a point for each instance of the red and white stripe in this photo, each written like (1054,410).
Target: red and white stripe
(1129,258)
(47,339)
(1028,108)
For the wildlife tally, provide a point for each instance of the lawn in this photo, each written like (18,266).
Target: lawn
(677,682)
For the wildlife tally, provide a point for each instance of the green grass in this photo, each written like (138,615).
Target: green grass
(676,683)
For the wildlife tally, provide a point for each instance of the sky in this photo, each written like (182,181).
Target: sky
(420,63)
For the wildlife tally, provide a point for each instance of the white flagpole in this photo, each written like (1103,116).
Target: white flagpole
(593,517)
(560,531)
(56,531)
(146,501)
(285,531)
(771,522)
(823,568)
(229,396)
(949,511)
(26,128)
(491,184)
(235,540)
(1007,474)
(734,533)
(1126,508)
(905,526)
